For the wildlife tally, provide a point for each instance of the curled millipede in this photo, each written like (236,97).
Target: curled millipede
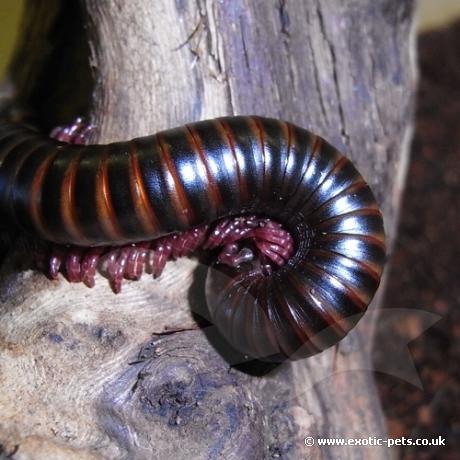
(300,234)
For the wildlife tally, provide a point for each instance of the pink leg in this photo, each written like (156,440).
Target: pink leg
(232,255)
(56,260)
(269,237)
(89,265)
(269,244)
(76,133)
(136,261)
(73,264)
(160,254)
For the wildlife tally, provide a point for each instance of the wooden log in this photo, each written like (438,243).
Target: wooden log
(87,374)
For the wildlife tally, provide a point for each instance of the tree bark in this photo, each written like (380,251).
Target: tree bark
(88,374)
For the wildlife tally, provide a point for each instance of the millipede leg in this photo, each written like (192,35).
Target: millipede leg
(76,133)
(232,255)
(242,239)
(269,238)
(89,265)
(73,264)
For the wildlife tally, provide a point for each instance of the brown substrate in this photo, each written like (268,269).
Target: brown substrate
(425,264)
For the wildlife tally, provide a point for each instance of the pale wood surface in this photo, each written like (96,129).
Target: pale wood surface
(86,374)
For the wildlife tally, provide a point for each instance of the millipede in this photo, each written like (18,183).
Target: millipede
(297,232)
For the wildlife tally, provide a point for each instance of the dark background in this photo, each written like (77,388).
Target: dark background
(425,264)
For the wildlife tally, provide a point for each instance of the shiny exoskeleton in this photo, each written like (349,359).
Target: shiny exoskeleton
(185,177)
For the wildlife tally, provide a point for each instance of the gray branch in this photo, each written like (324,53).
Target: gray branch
(86,374)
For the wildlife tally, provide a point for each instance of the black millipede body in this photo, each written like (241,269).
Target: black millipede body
(185,177)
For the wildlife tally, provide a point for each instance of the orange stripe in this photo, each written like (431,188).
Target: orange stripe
(306,333)
(287,132)
(104,209)
(258,131)
(359,298)
(370,240)
(371,269)
(328,312)
(142,206)
(68,214)
(341,162)
(371,210)
(224,127)
(176,193)
(315,143)
(376,239)
(10,190)
(36,195)
(215,198)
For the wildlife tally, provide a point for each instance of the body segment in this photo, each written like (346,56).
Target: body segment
(192,176)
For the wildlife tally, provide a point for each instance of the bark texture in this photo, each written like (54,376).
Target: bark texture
(87,374)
